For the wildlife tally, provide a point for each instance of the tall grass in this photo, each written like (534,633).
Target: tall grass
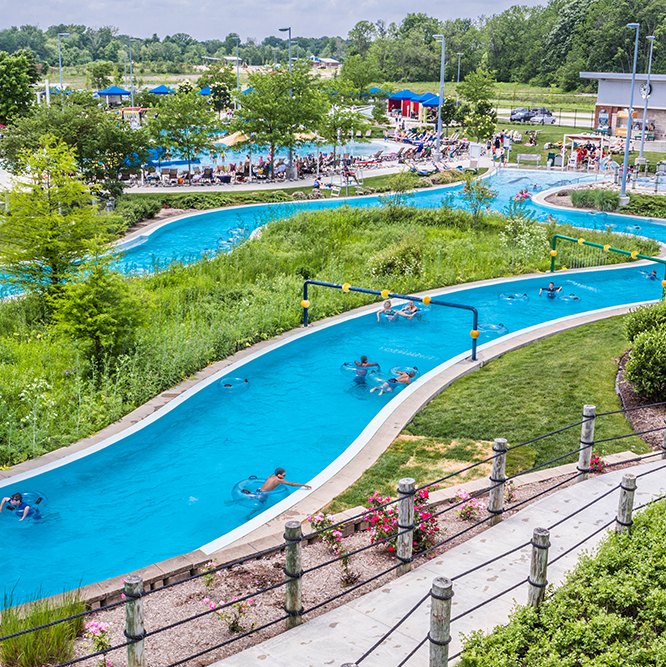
(51,396)
(602,200)
(49,646)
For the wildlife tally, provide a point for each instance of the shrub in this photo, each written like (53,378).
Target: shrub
(645,318)
(599,198)
(133,211)
(582,198)
(404,259)
(646,367)
(651,206)
(51,645)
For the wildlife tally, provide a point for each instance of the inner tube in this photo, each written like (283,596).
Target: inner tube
(632,228)
(378,380)
(568,297)
(247,494)
(35,500)
(396,370)
(231,385)
(493,329)
(357,373)
(513,297)
(390,318)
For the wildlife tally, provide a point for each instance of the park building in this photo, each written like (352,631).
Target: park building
(612,107)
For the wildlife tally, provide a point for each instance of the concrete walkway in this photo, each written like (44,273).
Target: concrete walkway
(344,634)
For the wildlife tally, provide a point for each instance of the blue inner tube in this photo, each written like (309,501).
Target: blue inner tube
(387,382)
(247,493)
(513,297)
(390,318)
(396,370)
(34,500)
(231,385)
(498,329)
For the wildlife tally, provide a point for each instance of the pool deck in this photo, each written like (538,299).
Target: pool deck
(346,633)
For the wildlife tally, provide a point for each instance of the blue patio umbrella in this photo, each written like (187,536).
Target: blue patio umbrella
(205,91)
(161,90)
(431,101)
(113,90)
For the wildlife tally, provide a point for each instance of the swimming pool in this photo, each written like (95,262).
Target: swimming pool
(164,488)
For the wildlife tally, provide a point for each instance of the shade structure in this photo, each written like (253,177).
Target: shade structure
(431,101)
(161,90)
(231,140)
(306,136)
(403,95)
(205,91)
(377,91)
(113,90)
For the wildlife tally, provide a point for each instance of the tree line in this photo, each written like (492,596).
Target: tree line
(542,45)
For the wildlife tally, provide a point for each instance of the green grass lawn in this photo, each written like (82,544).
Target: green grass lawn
(524,394)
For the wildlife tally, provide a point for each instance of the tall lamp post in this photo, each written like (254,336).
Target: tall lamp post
(61,34)
(291,154)
(441,96)
(645,92)
(125,59)
(274,56)
(458,54)
(298,50)
(131,39)
(627,144)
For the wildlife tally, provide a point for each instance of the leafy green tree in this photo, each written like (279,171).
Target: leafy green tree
(358,74)
(99,309)
(360,38)
(478,89)
(222,81)
(103,145)
(16,76)
(279,105)
(478,196)
(50,225)
(449,113)
(100,74)
(184,126)
(341,123)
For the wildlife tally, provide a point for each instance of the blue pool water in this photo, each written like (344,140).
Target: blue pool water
(165,489)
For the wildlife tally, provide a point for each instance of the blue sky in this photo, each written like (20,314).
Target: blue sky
(211,19)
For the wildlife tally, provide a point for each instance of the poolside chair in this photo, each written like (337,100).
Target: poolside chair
(359,134)
(207,176)
(368,134)
(173,177)
(164,176)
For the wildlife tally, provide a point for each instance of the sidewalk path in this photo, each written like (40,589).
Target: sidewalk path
(344,634)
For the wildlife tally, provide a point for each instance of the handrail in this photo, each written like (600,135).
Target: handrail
(385,294)
(607,248)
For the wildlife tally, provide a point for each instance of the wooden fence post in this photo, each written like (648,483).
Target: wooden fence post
(586,442)
(440,621)
(405,523)
(538,567)
(293,572)
(625,504)
(134,629)
(497,479)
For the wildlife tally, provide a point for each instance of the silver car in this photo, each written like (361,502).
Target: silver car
(543,120)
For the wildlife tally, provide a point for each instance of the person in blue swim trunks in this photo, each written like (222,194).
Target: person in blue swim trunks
(551,290)
(16,503)
(362,369)
(275,480)
(390,385)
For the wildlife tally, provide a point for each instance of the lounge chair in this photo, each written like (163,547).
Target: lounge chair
(368,134)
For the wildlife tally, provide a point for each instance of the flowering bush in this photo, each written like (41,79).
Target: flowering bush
(404,259)
(510,491)
(333,537)
(596,464)
(384,523)
(99,636)
(470,509)
(232,615)
(212,574)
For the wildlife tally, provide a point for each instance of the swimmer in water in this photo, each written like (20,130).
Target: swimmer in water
(275,480)
(403,378)
(16,503)
(551,290)
(361,369)
(408,311)
(652,275)
(230,386)
(387,311)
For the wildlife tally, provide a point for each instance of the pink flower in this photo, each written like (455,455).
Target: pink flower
(250,601)
(206,600)
(212,605)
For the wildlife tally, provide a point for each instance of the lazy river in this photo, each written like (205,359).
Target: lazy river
(162,488)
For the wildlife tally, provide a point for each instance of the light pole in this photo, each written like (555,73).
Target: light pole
(458,54)
(131,39)
(291,155)
(441,96)
(274,56)
(647,92)
(298,51)
(623,188)
(61,34)
(125,59)
(237,64)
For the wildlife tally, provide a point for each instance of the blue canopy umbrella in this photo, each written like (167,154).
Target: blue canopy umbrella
(376,91)
(161,90)
(431,101)
(205,91)
(403,95)
(113,90)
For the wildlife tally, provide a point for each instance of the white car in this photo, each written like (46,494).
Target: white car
(543,120)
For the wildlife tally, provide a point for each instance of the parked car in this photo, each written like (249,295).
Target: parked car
(521,116)
(514,111)
(543,120)
(541,111)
